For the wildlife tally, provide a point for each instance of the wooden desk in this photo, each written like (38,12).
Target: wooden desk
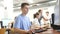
(2,31)
(50,31)
(55,32)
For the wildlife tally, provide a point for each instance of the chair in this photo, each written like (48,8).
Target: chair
(2,31)
(1,23)
(53,15)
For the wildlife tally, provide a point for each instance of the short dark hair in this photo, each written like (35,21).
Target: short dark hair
(39,10)
(23,4)
(35,15)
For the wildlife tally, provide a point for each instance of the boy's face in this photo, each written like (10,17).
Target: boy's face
(25,9)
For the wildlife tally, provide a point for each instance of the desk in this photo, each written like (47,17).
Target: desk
(2,31)
(49,31)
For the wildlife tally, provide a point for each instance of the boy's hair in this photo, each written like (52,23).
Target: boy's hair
(23,4)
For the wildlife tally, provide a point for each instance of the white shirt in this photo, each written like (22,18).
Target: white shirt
(35,23)
(47,17)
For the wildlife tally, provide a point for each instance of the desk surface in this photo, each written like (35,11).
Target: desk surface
(2,31)
(50,31)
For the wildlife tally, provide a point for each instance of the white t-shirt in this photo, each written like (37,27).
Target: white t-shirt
(35,23)
(47,17)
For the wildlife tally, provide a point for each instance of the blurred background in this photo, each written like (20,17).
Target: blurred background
(9,9)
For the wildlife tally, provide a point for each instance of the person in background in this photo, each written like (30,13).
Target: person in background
(22,22)
(42,17)
(35,23)
(40,13)
(48,21)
